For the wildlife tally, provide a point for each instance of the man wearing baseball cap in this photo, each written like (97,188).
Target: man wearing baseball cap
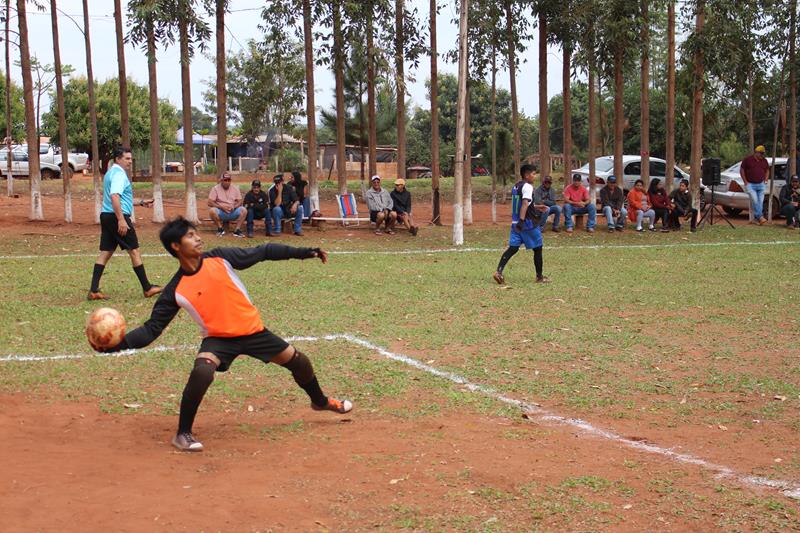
(401,200)
(379,203)
(257,204)
(754,171)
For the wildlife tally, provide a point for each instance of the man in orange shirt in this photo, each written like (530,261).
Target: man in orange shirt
(207,287)
(576,202)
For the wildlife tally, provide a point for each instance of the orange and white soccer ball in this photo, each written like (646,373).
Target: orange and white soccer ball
(105,328)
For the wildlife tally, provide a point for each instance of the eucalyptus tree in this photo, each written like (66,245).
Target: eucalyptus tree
(463,73)
(586,13)
(644,121)
(669,145)
(123,80)
(792,87)
(31,135)
(436,217)
(66,170)
(8,141)
(516,31)
(98,194)
(221,6)
(546,11)
(696,45)
(564,31)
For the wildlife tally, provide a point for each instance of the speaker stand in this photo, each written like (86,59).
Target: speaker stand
(708,214)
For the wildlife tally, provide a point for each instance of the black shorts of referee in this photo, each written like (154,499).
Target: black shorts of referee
(110,239)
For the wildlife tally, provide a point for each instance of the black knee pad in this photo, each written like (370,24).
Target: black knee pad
(300,367)
(203,371)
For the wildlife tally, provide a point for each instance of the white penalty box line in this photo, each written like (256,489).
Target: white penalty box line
(533,411)
(473,249)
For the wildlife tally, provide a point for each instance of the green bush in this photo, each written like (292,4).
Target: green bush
(287,160)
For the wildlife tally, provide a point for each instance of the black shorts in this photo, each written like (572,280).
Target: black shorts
(110,239)
(263,346)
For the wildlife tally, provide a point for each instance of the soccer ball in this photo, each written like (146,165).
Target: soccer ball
(105,328)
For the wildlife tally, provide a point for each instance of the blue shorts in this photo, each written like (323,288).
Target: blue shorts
(531,238)
(233,216)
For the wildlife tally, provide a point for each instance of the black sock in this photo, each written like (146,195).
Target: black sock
(199,380)
(537,261)
(314,392)
(97,273)
(303,373)
(140,273)
(508,254)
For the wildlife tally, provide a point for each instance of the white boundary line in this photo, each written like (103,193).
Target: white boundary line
(471,250)
(790,489)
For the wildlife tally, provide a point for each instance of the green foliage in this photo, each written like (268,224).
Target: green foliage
(732,150)
(287,159)
(17,112)
(76,103)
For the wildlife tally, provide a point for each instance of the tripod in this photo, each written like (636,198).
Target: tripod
(709,213)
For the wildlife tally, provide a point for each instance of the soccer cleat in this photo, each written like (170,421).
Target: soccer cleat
(337,406)
(186,442)
(542,279)
(96,296)
(152,291)
(498,277)
(238,233)
(220,232)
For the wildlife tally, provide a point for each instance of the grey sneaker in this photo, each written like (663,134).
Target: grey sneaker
(337,406)
(186,442)
(220,232)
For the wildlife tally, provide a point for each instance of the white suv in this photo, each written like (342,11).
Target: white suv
(631,171)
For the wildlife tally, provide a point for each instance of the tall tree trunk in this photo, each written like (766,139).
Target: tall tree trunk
(338,70)
(155,139)
(670,141)
(698,71)
(9,170)
(644,140)
(512,75)
(461,103)
(399,60)
(31,135)
(66,170)
(567,92)
(98,193)
(590,154)
(619,115)
(222,95)
(311,112)
(793,89)
(468,154)
(436,217)
(123,80)
(494,134)
(544,125)
(372,125)
(186,99)
(751,123)
(362,130)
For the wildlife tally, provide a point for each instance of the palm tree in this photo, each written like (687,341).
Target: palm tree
(31,135)
(436,217)
(311,120)
(222,112)
(66,170)
(123,80)
(92,115)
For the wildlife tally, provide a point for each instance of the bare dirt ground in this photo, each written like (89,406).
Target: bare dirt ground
(71,467)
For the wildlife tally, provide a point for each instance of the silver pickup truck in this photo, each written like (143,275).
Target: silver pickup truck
(49,161)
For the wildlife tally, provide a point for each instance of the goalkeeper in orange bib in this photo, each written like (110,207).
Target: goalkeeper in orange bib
(207,287)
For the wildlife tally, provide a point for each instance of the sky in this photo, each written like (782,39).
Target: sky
(242,24)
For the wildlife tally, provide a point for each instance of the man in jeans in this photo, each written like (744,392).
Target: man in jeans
(284,203)
(544,195)
(612,202)
(576,202)
(790,202)
(257,205)
(754,171)
(225,201)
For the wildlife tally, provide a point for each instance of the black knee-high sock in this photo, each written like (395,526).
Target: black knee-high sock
(140,273)
(538,261)
(199,380)
(508,254)
(97,273)
(303,373)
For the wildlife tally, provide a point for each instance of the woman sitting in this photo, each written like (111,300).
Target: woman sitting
(660,202)
(638,208)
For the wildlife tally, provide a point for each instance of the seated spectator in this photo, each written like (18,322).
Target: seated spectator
(681,200)
(576,202)
(544,195)
(379,203)
(612,202)
(283,203)
(257,204)
(657,195)
(225,201)
(401,206)
(638,208)
(790,202)
(301,189)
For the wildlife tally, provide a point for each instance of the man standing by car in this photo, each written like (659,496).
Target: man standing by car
(754,171)
(116,225)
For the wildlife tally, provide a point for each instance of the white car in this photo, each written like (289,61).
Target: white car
(631,171)
(19,164)
(731,195)
(52,154)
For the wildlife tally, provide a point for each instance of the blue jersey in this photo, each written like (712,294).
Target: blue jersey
(116,182)
(522,190)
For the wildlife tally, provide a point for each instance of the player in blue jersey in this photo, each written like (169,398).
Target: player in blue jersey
(526,222)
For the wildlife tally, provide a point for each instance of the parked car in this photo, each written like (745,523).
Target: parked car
(631,171)
(731,195)
(52,154)
(19,164)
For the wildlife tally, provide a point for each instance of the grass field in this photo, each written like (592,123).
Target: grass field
(685,340)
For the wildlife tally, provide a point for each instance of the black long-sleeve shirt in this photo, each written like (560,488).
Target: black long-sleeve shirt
(213,295)
(401,200)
